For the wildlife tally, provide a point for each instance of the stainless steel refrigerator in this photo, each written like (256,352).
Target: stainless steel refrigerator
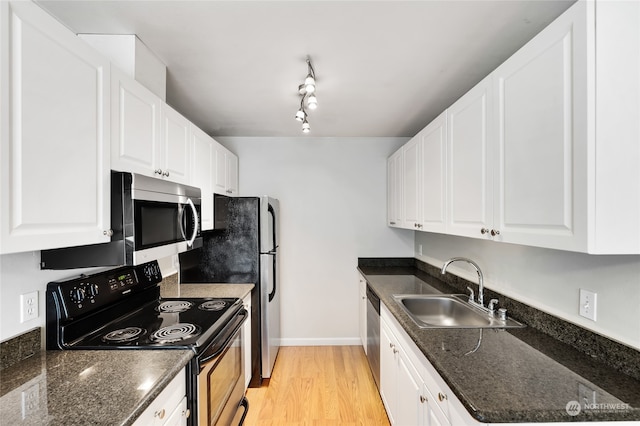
(246,251)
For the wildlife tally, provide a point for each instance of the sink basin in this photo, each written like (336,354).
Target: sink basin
(448,311)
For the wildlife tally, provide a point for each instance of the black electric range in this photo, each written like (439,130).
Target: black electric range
(122,309)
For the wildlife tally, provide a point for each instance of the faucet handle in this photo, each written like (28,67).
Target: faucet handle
(491,307)
(471,294)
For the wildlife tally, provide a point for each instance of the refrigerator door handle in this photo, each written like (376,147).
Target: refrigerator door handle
(273,292)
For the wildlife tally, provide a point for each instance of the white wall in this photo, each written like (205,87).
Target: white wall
(550,280)
(20,273)
(332,194)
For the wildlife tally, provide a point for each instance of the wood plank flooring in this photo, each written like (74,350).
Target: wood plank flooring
(318,386)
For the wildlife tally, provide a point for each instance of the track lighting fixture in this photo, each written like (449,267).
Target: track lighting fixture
(307,91)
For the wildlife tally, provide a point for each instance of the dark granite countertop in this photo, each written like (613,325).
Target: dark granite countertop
(516,375)
(86,387)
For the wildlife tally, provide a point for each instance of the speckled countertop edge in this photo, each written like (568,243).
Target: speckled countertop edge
(426,338)
(87,387)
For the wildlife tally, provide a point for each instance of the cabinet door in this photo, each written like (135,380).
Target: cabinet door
(202,173)
(433,175)
(362,305)
(220,172)
(394,189)
(540,104)
(175,149)
(54,148)
(388,372)
(411,185)
(469,165)
(231,160)
(135,120)
(408,406)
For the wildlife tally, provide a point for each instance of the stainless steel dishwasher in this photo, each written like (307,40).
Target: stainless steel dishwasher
(373,334)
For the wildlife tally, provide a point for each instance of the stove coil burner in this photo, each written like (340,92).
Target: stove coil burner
(174,306)
(123,335)
(175,333)
(213,305)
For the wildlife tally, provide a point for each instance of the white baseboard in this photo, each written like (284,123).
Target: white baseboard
(321,341)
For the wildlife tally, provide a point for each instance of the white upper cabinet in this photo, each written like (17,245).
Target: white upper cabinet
(394,189)
(54,140)
(136,126)
(411,185)
(175,153)
(469,162)
(540,139)
(202,169)
(232,173)
(148,136)
(226,171)
(567,140)
(433,168)
(545,151)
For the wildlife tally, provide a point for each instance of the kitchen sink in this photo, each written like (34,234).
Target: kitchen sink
(449,311)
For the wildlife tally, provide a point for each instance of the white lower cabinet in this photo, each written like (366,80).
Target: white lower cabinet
(412,391)
(170,406)
(362,311)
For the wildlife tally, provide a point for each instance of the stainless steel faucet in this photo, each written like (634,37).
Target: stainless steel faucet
(480,279)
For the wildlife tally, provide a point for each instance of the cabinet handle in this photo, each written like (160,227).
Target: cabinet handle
(494,232)
(423,399)
(160,414)
(165,174)
(158,171)
(484,231)
(391,345)
(108,232)
(442,396)
(392,223)
(229,191)
(186,413)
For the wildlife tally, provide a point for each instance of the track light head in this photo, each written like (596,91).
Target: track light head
(306,128)
(312,101)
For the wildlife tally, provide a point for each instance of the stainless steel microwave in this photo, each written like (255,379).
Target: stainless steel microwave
(150,218)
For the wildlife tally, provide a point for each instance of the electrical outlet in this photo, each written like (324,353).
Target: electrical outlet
(28,306)
(30,401)
(588,304)
(420,249)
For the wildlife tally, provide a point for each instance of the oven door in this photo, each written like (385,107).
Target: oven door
(220,381)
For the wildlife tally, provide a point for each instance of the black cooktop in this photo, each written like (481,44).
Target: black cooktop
(178,323)
(122,309)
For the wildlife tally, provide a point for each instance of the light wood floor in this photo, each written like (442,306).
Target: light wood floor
(318,386)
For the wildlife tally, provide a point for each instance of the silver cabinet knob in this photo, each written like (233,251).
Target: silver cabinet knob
(484,231)
(392,223)
(166,174)
(186,413)
(160,414)
(442,396)
(158,171)
(494,232)
(108,232)
(423,399)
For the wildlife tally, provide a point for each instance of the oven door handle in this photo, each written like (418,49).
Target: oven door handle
(226,336)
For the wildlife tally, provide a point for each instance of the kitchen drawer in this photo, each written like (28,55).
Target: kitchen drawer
(162,408)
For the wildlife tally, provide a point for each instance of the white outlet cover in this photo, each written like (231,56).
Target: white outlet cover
(29,306)
(588,304)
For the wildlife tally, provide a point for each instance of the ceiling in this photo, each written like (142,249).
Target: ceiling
(383,68)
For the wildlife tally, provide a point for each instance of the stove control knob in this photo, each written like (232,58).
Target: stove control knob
(92,290)
(77,295)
